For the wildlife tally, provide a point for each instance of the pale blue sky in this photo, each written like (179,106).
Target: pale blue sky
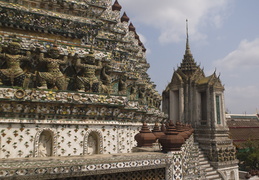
(224,35)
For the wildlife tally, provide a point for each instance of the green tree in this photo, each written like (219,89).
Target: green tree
(248,155)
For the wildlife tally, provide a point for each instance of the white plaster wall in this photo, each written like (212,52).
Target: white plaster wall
(126,138)
(19,140)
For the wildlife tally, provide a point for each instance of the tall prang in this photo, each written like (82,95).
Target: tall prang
(73,82)
(191,97)
(74,92)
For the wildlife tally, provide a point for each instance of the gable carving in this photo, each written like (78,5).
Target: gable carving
(176,79)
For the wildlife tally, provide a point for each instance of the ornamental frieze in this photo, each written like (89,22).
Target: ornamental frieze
(39,104)
(50,23)
(60,96)
(51,69)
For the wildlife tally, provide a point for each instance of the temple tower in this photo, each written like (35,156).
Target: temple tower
(191,97)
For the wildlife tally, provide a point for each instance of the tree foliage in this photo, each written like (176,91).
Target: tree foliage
(248,155)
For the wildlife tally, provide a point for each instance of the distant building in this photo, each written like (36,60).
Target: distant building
(243,127)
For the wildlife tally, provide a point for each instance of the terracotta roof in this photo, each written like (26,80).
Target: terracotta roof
(243,123)
(243,134)
(243,129)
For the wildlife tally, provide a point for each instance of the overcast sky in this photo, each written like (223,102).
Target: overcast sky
(223,35)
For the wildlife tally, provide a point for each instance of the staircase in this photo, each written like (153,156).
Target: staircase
(206,169)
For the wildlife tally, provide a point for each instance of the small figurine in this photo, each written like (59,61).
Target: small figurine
(88,82)
(13,75)
(53,76)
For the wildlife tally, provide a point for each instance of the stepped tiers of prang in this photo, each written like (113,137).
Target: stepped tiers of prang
(76,101)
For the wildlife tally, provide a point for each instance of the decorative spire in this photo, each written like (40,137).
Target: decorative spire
(124,18)
(157,132)
(188,65)
(116,6)
(145,138)
(187,50)
(171,141)
(132,28)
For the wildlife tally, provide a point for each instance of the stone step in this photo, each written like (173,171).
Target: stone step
(202,159)
(209,169)
(204,167)
(203,162)
(201,155)
(213,177)
(213,172)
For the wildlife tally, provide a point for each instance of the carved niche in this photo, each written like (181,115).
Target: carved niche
(45,146)
(93,143)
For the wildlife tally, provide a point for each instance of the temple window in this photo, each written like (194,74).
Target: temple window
(203,108)
(218,109)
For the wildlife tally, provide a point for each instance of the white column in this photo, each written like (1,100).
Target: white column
(197,119)
(224,123)
(171,105)
(181,104)
(210,107)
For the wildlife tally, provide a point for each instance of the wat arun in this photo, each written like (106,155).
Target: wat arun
(76,101)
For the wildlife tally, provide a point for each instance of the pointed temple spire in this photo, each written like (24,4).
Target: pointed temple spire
(188,65)
(132,27)
(124,17)
(116,6)
(187,51)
